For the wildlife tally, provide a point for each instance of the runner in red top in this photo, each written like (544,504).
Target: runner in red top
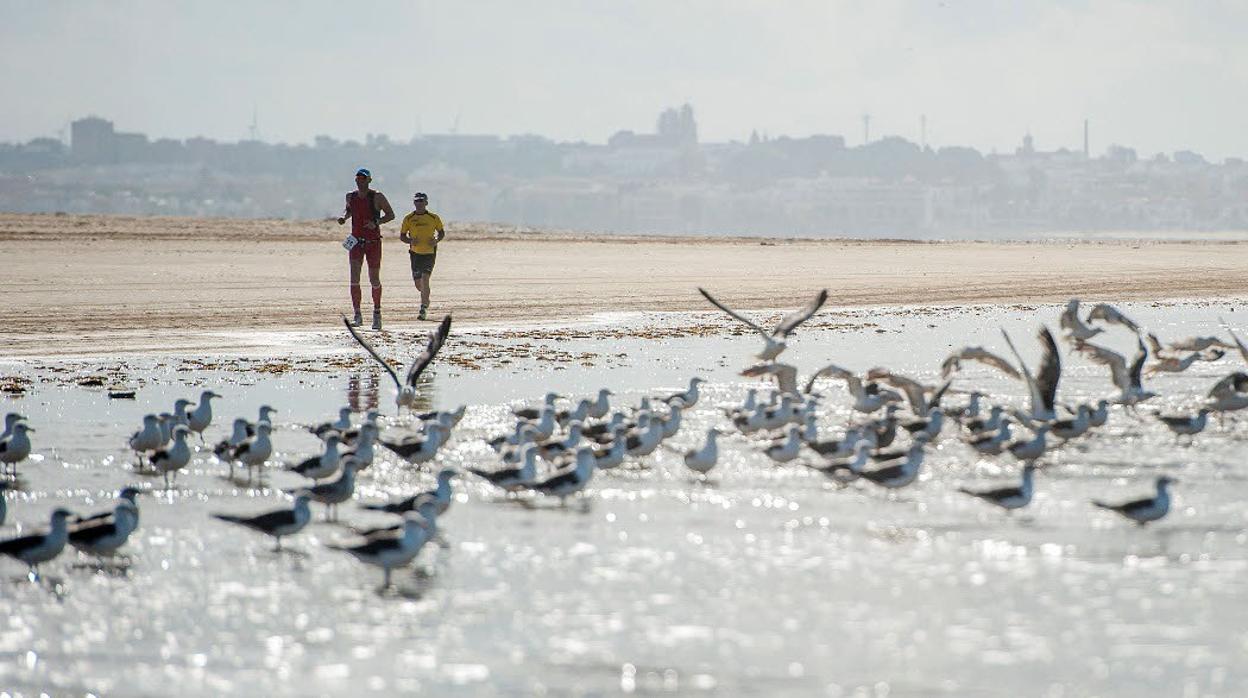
(368,210)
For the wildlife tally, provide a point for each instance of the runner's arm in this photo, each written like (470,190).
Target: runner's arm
(346,211)
(384,204)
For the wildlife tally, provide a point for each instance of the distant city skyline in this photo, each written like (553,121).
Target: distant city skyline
(1157,77)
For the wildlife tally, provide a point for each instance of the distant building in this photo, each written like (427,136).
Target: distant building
(93,141)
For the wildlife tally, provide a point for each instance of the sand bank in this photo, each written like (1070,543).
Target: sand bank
(81,284)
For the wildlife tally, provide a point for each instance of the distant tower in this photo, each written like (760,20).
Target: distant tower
(253,131)
(866,129)
(923,131)
(1085,139)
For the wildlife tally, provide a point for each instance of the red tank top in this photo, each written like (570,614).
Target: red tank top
(361,213)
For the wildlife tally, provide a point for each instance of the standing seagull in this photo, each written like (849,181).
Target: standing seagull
(1008,498)
(688,397)
(199,418)
(407,388)
(102,537)
(1043,386)
(389,553)
(16,448)
(37,549)
(1145,510)
(701,460)
(331,494)
(255,451)
(568,483)
(774,341)
(149,438)
(1186,425)
(176,457)
(513,478)
(277,523)
(322,465)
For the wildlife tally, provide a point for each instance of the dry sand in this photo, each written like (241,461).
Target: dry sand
(108,284)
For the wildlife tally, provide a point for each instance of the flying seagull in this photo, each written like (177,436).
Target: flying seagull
(407,389)
(774,340)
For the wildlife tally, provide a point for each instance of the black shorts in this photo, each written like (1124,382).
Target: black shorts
(422,263)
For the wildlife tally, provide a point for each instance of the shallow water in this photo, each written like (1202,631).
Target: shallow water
(763,580)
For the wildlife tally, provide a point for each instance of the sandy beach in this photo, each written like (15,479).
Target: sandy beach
(85,284)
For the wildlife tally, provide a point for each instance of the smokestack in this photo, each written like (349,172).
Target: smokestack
(1085,139)
(923,131)
(866,129)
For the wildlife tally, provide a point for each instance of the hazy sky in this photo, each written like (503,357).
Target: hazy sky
(1158,76)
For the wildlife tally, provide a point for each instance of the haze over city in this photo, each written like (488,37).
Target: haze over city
(1158,77)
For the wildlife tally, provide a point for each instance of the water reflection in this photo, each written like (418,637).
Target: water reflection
(364,391)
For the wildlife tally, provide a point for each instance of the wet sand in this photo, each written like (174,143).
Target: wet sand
(109,284)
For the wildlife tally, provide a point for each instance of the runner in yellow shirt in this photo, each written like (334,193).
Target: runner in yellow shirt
(422,231)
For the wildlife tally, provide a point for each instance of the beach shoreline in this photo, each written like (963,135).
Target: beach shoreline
(116,284)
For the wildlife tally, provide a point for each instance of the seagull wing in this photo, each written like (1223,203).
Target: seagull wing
(1108,313)
(1050,369)
(953,363)
(830,370)
(373,353)
(1243,350)
(786,374)
(1032,388)
(436,339)
(914,391)
(792,320)
(1107,357)
(734,313)
(1137,364)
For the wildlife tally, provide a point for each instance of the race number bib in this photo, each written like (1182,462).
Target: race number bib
(350,242)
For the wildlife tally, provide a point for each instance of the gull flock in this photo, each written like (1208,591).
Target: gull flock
(556,448)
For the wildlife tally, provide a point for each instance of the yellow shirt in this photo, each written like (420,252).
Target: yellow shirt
(422,229)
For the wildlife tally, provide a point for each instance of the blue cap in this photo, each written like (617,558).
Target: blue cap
(365,172)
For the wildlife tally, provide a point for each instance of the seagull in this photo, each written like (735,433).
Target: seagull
(865,400)
(331,494)
(688,397)
(1186,425)
(1243,350)
(580,414)
(1229,394)
(419,448)
(1067,429)
(787,449)
(645,439)
(9,420)
(265,417)
(953,363)
(931,425)
(149,438)
(601,404)
(320,466)
(785,375)
(255,451)
(338,426)
(276,523)
(1031,449)
(900,475)
(174,458)
(349,437)
(845,446)
(989,424)
(548,403)
(363,452)
(1043,386)
(545,423)
(37,549)
(774,341)
(612,455)
(1110,314)
(846,469)
(199,418)
(127,495)
(223,447)
(915,392)
(671,424)
(1073,327)
(568,483)
(701,460)
(1127,379)
(103,536)
(440,496)
(551,449)
(1008,498)
(16,447)
(407,389)
(1098,415)
(389,553)
(991,444)
(1143,511)
(511,479)
(1199,344)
